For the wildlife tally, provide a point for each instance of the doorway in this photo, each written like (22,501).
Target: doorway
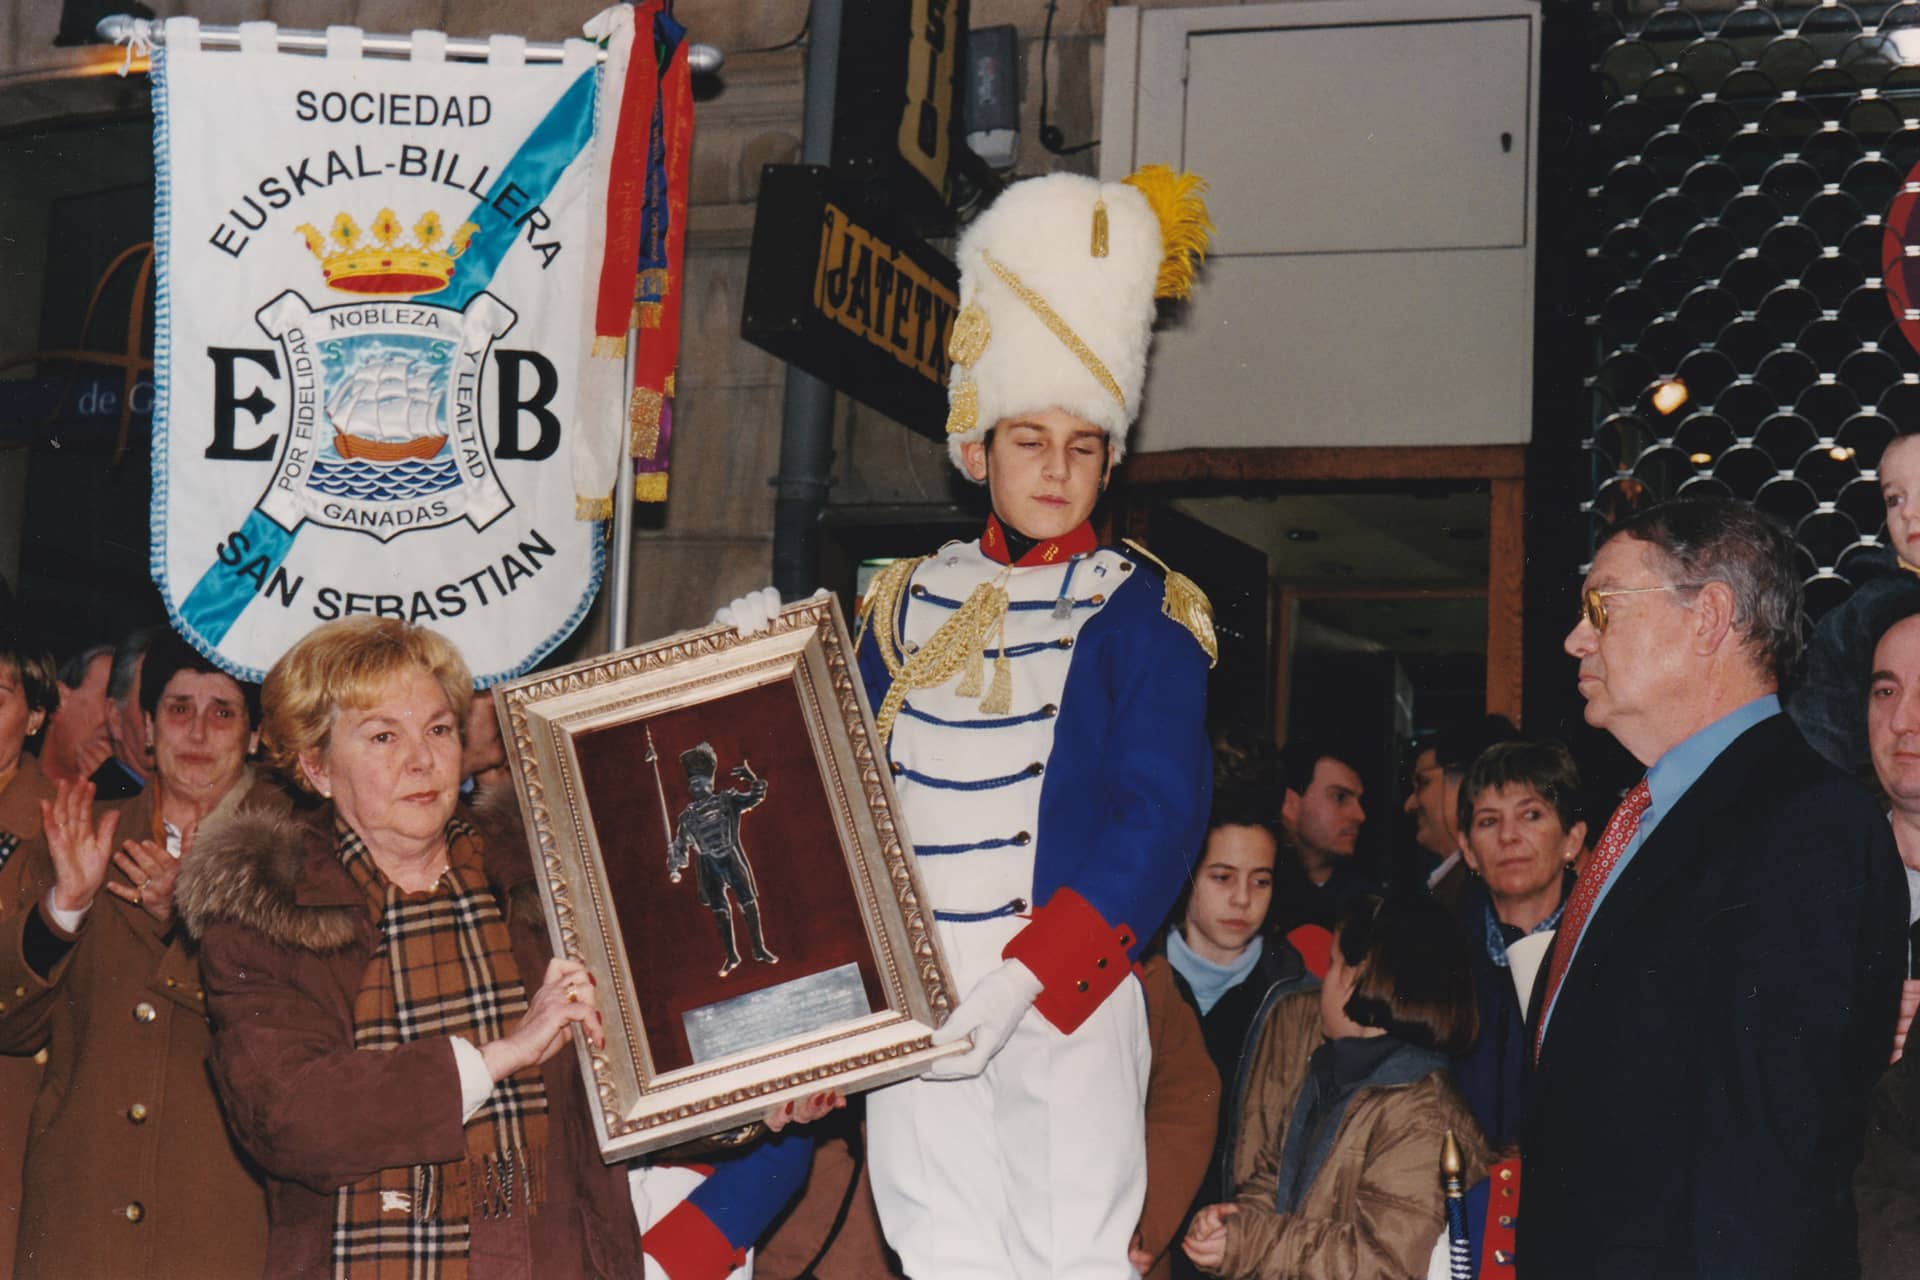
(1366,595)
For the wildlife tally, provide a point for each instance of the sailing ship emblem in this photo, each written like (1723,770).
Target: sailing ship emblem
(387,410)
(393,439)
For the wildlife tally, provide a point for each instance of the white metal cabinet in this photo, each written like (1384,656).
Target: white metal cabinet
(1371,165)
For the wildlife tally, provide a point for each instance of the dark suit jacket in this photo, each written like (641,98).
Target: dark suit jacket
(112,781)
(1700,1101)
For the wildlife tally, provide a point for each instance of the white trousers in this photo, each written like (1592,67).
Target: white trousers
(1034,1170)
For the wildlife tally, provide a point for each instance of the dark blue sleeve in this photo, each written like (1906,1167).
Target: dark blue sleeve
(1126,808)
(708,1234)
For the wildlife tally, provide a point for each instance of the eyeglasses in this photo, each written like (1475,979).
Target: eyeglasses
(1593,604)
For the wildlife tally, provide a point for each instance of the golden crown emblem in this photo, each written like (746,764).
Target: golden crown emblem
(379,264)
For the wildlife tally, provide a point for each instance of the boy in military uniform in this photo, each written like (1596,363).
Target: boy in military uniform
(1042,699)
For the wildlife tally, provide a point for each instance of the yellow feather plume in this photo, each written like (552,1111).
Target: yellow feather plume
(1184,224)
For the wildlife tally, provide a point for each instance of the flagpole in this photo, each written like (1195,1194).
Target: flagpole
(620,567)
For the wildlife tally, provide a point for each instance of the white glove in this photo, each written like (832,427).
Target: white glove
(989,1013)
(751,613)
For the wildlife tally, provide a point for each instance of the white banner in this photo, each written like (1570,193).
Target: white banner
(372,342)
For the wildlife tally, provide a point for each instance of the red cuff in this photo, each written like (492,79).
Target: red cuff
(687,1246)
(1078,957)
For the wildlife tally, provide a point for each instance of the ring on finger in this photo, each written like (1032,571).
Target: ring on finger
(138,898)
(573,995)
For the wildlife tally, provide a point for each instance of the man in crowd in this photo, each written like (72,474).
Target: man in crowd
(1888,690)
(1433,798)
(1722,986)
(126,773)
(1322,815)
(77,740)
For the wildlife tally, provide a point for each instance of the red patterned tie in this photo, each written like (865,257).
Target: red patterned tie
(1613,842)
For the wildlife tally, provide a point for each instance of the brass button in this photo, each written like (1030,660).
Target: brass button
(1126,566)
(135,1211)
(40,1058)
(1080,986)
(200,995)
(1065,642)
(1101,963)
(894,766)
(19,993)
(172,983)
(1126,939)
(144,1012)
(1018,904)
(3,1006)
(1502,1257)
(919,590)
(1506,1219)
(1050,711)
(137,1113)
(1097,599)
(1035,769)
(1024,839)
(1506,1175)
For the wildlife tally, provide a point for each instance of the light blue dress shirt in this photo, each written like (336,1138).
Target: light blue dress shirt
(1669,778)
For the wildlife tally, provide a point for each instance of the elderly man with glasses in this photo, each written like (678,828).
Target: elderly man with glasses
(1722,987)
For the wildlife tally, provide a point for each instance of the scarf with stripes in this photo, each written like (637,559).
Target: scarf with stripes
(444,966)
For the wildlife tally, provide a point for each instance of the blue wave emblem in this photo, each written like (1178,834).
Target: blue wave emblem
(383,481)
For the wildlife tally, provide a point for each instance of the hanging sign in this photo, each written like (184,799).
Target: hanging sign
(373,344)
(837,288)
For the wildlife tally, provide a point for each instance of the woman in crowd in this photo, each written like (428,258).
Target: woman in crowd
(29,695)
(129,1170)
(1228,969)
(1520,836)
(388,1016)
(1348,1186)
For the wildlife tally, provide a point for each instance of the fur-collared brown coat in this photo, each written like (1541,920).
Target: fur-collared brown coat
(19,1073)
(1376,1207)
(285,939)
(129,1170)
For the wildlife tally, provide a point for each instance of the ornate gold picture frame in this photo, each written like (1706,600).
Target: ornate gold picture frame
(720,847)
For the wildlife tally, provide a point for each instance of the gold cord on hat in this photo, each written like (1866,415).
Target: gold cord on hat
(1058,327)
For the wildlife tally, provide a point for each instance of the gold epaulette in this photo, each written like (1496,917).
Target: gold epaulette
(880,609)
(1185,603)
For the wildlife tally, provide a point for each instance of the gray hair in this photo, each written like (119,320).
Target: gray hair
(73,672)
(126,662)
(1726,540)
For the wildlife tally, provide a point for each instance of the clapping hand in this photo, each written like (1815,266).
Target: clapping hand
(79,847)
(151,872)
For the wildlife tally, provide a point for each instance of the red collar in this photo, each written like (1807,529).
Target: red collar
(993,541)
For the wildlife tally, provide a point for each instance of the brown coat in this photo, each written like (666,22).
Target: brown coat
(1183,1114)
(1376,1207)
(285,938)
(112,1190)
(19,1073)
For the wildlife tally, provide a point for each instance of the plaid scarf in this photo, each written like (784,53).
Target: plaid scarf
(444,966)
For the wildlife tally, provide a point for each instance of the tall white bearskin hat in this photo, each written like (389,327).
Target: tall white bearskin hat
(1058,281)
